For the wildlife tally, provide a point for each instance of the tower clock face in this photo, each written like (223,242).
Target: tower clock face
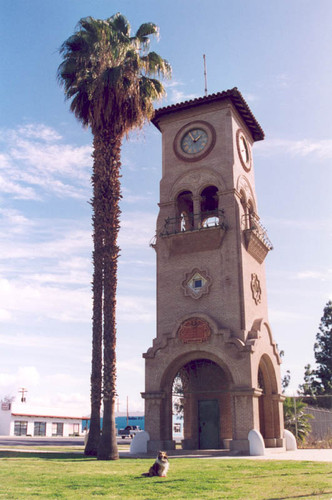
(194,141)
(243,150)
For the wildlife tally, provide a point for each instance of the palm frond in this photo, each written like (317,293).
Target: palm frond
(105,74)
(80,106)
(151,89)
(111,76)
(89,24)
(120,24)
(146,30)
(156,65)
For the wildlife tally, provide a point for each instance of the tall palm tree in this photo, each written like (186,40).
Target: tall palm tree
(108,76)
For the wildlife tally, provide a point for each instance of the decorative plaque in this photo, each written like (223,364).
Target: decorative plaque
(194,330)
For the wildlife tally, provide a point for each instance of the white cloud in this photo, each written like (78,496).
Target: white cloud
(56,246)
(46,391)
(316,225)
(44,341)
(5,316)
(137,229)
(18,191)
(70,399)
(282,316)
(46,270)
(15,220)
(20,298)
(24,376)
(131,366)
(35,160)
(321,149)
(176,95)
(282,81)
(4,161)
(315,275)
(251,97)
(180,96)
(39,131)
(135,309)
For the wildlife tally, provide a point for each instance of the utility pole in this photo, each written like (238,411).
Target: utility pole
(295,417)
(23,391)
(205,77)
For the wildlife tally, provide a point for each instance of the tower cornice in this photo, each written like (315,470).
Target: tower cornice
(236,98)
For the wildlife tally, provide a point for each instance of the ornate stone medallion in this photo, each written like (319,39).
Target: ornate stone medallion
(256,288)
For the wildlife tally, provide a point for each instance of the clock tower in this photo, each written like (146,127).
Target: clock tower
(214,344)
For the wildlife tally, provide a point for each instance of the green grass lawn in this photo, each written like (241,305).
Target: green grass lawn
(31,475)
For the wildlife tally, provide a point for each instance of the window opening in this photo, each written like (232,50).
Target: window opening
(57,429)
(39,429)
(197,282)
(209,207)
(209,199)
(20,428)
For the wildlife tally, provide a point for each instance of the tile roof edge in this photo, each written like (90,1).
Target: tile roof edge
(236,97)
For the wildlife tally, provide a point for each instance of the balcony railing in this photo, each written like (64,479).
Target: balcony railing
(252,224)
(194,222)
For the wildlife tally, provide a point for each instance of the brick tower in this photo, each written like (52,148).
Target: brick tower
(212,318)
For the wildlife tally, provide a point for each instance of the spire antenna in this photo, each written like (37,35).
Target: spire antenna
(205,77)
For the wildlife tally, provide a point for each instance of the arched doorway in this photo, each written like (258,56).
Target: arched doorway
(269,421)
(202,405)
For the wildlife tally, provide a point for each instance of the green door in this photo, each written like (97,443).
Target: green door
(208,424)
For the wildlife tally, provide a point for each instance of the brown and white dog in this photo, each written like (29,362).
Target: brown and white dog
(160,467)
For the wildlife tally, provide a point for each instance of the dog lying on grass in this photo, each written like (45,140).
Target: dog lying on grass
(160,467)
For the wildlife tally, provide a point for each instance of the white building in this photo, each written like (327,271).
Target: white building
(21,419)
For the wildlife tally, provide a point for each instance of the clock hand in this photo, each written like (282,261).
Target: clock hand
(191,137)
(195,140)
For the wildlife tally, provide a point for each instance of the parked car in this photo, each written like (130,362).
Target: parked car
(129,431)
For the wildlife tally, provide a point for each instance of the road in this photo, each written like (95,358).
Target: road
(47,441)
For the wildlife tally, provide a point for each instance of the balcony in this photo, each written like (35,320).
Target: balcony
(194,232)
(194,222)
(256,239)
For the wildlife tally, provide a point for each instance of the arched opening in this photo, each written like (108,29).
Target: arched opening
(185,210)
(261,402)
(251,216)
(268,402)
(209,207)
(201,406)
(244,212)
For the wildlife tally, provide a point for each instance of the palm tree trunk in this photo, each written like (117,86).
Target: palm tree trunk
(107,153)
(92,444)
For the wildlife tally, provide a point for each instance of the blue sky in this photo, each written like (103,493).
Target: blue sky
(278,53)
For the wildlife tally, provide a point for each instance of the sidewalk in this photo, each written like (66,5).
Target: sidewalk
(312,455)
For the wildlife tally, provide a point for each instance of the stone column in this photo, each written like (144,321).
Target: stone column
(278,409)
(155,423)
(245,417)
(197,211)
(269,421)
